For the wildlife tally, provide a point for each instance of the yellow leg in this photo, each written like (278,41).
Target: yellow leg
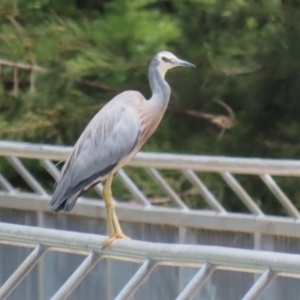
(114,228)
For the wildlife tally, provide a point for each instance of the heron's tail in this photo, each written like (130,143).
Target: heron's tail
(66,205)
(65,199)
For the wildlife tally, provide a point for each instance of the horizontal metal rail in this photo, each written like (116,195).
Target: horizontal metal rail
(287,265)
(167,161)
(162,215)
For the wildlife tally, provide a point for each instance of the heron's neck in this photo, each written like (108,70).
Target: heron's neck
(160,88)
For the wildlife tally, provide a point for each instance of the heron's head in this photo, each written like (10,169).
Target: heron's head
(164,60)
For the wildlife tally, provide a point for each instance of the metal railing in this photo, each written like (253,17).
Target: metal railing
(208,258)
(254,221)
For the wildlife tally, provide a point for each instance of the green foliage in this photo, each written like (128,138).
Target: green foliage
(247,53)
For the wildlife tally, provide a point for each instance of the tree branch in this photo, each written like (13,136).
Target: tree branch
(96,84)
(37,68)
(22,66)
(16,25)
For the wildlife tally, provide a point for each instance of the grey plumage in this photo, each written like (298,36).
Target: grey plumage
(110,136)
(114,135)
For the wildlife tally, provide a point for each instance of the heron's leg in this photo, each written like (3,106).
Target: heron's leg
(107,196)
(114,228)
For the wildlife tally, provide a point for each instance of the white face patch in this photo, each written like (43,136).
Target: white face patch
(164,67)
(164,63)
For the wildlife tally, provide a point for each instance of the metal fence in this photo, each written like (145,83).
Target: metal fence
(207,259)
(230,273)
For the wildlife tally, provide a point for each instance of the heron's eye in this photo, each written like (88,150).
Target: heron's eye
(165,59)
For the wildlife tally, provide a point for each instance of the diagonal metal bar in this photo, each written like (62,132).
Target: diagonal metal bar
(280,195)
(132,188)
(13,281)
(99,189)
(50,167)
(203,190)
(165,187)
(260,285)
(241,193)
(137,280)
(196,283)
(53,170)
(25,174)
(6,184)
(75,279)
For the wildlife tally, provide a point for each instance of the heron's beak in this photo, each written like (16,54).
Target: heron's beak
(182,63)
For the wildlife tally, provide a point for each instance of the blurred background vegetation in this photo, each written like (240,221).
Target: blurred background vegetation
(61,61)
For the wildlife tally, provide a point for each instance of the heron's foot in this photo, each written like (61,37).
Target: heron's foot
(114,237)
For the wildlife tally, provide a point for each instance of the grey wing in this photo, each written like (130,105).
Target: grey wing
(110,136)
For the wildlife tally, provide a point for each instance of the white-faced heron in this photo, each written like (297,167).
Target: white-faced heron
(112,138)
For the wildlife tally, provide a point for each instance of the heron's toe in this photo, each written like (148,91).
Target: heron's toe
(114,237)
